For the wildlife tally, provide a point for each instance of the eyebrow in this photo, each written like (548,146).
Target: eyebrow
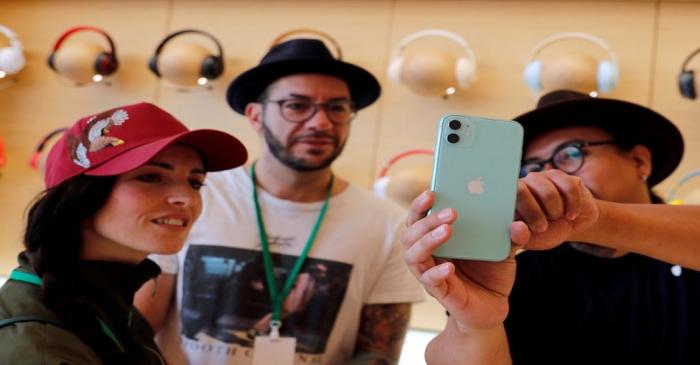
(170,167)
(569,142)
(306,97)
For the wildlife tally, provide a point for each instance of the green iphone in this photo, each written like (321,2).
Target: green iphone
(476,168)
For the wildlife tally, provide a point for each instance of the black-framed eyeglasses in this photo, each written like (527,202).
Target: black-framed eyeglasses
(300,110)
(567,157)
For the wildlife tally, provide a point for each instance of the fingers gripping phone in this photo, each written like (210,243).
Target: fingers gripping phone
(475,171)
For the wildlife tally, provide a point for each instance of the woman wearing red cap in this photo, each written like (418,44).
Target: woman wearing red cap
(120,185)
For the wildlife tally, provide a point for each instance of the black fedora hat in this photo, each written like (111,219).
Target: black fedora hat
(299,56)
(628,123)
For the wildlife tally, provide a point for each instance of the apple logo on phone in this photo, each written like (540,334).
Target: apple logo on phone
(476,186)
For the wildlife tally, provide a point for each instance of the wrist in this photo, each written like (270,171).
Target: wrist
(589,233)
(469,345)
(459,329)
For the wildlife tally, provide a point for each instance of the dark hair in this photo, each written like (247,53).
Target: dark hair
(53,244)
(263,95)
(52,236)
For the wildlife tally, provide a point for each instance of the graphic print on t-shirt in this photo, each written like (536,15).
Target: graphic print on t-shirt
(225,296)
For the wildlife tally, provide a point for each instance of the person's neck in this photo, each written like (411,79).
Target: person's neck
(289,184)
(98,248)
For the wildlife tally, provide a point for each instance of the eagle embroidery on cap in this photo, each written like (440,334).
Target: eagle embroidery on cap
(94,137)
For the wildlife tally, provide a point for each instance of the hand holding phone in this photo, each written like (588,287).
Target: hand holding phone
(475,171)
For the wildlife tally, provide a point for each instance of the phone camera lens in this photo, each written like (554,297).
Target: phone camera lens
(452,137)
(455,124)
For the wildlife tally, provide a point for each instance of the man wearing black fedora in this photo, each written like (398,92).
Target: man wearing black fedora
(285,246)
(615,282)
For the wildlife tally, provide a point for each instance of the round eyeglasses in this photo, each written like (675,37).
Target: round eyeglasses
(300,110)
(567,157)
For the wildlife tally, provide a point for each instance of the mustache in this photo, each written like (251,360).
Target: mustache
(315,134)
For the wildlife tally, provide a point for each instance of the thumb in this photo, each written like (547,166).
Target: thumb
(520,233)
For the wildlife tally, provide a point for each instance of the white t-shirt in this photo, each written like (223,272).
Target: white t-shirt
(222,298)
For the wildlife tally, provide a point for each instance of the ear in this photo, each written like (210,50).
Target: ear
(642,158)
(253,111)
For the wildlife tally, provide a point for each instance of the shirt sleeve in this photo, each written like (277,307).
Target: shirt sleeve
(168,263)
(396,284)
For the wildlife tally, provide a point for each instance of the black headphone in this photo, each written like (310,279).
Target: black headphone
(686,79)
(212,66)
(106,62)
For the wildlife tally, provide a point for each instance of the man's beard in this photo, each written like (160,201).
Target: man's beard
(284,155)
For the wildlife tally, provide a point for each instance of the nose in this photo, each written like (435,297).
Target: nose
(183,195)
(548,166)
(320,119)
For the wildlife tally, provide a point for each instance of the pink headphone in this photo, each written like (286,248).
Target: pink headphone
(380,185)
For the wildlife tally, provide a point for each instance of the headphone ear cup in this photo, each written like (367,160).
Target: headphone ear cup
(112,65)
(105,64)
(49,61)
(465,72)
(686,84)
(11,60)
(607,76)
(394,69)
(153,65)
(212,67)
(380,186)
(531,75)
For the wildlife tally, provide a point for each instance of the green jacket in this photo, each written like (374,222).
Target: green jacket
(108,288)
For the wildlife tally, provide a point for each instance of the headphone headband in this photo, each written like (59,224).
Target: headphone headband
(184,31)
(418,151)
(688,59)
(69,32)
(326,36)
(681,182)
(12,36)
(576,35)
(34,160)
(434,33)
(2,153)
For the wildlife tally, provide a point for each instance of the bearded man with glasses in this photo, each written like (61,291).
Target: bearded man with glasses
(284,246)
(616,282)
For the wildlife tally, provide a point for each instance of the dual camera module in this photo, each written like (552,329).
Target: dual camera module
(455,125)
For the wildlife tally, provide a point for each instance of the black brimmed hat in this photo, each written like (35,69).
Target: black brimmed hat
(298,56)
(627,122)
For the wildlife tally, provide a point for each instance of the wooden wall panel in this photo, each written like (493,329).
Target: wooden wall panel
(40,102)
(246,29)
(677,38)
(502,35)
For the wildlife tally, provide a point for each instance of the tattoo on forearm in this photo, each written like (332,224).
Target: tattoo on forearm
(382,330)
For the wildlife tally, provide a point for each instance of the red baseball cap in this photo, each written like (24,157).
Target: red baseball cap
(121,139)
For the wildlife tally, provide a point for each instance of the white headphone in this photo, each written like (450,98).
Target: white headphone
(382,182)
(607,74)
(465,67)
(12,57)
